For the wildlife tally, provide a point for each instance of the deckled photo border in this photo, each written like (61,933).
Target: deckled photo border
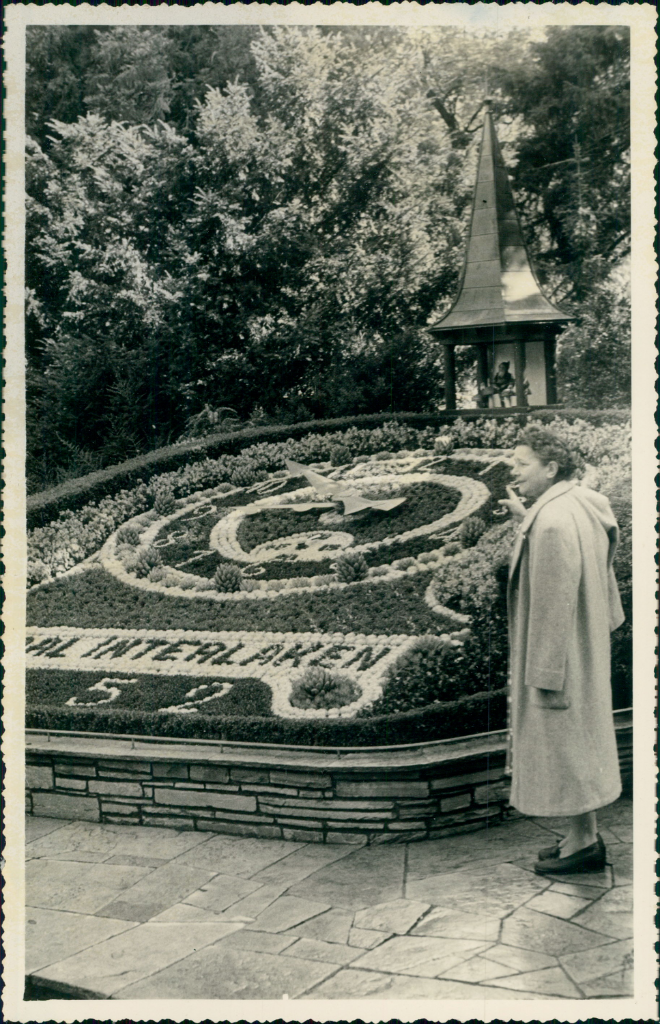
(642,21)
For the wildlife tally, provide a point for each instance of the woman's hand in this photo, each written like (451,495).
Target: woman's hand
(514,505)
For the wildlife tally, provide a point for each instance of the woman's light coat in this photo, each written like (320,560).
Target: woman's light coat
(563,603)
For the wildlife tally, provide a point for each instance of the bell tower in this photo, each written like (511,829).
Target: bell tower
(500,309)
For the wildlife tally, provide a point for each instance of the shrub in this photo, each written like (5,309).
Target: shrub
(243,476)
(37,572)
(351,566)
(146,561)
(164,502)
(320,688)
(480,713)
(469,583)
(423,675)
(339,455)
(128,535)
(471,530)
(619,493)
(228,578)
(443,444)
(357,432)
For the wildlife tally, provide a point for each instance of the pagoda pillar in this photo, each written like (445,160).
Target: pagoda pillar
(450,377)
(550,371)
(519,364)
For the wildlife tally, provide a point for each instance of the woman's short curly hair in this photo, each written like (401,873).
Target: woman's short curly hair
(549,448)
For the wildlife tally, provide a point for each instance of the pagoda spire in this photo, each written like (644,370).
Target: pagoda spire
(498,285)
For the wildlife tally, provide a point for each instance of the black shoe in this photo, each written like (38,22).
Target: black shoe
(549,852)
(592,858)
(552,852)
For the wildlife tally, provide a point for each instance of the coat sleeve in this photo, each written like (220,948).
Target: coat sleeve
(554,580)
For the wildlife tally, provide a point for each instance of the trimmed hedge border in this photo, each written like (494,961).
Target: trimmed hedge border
(44,506)
(481,712)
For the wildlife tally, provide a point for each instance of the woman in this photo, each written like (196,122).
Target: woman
(563,603)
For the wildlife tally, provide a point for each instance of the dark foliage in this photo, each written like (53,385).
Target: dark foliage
(96,599)
(478,713)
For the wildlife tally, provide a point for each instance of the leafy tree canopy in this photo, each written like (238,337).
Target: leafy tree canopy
(270,218)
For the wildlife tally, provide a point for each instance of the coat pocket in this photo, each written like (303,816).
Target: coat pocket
(553,700)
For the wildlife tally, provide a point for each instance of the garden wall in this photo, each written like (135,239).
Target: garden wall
(368,796)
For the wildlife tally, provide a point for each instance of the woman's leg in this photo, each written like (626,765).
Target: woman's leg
(582,832)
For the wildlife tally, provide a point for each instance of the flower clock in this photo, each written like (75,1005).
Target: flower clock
(293,596)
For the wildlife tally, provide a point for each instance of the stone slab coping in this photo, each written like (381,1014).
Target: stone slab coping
(157,748)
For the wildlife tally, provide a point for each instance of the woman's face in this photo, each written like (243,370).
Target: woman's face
(531,476)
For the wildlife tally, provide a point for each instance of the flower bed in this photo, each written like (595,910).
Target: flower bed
(234,597)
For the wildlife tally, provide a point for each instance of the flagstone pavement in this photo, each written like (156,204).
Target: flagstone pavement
(127,912)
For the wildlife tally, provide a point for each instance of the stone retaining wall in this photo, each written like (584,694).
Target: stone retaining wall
(419,792)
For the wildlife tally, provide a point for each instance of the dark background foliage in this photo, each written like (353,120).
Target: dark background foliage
(268,220)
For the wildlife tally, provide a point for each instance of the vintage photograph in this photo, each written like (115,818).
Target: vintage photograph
(327,431)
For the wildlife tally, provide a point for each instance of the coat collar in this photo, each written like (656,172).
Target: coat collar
(553,492)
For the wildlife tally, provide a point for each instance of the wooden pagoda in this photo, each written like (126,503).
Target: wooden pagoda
(500,309)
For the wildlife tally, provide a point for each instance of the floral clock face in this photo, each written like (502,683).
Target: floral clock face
(280,536)
(313,531)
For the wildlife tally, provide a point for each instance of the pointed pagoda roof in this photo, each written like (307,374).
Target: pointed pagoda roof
(498,285)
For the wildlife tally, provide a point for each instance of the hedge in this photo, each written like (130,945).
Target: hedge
(45,506)
(481,712)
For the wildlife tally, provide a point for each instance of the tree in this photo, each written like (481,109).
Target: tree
(572,180)
(271,218)
(572,173)
(594,352)
(57,63)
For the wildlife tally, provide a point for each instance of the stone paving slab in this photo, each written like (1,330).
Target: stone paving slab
(366,939)
(120,961)
(302,863)
(185,913)
(286,912)
(35,828)
(422,956)
(332,926)
(83,888)
(618,984)
(582,889)
(477,969)
(558,904)
(622,863)
(259,942)
(156,892)
(250,907)
(546,934)
(610,915)
(551,981)
(354,984)
(589,964)
(457,924)
(521,960)
(365,877)
(218,893)
(130,859)
(53,935)
(397,916)
(226,973)
(498,844)
(326,952)
(497,889)
(105,841)
(234,855)
(154,913)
